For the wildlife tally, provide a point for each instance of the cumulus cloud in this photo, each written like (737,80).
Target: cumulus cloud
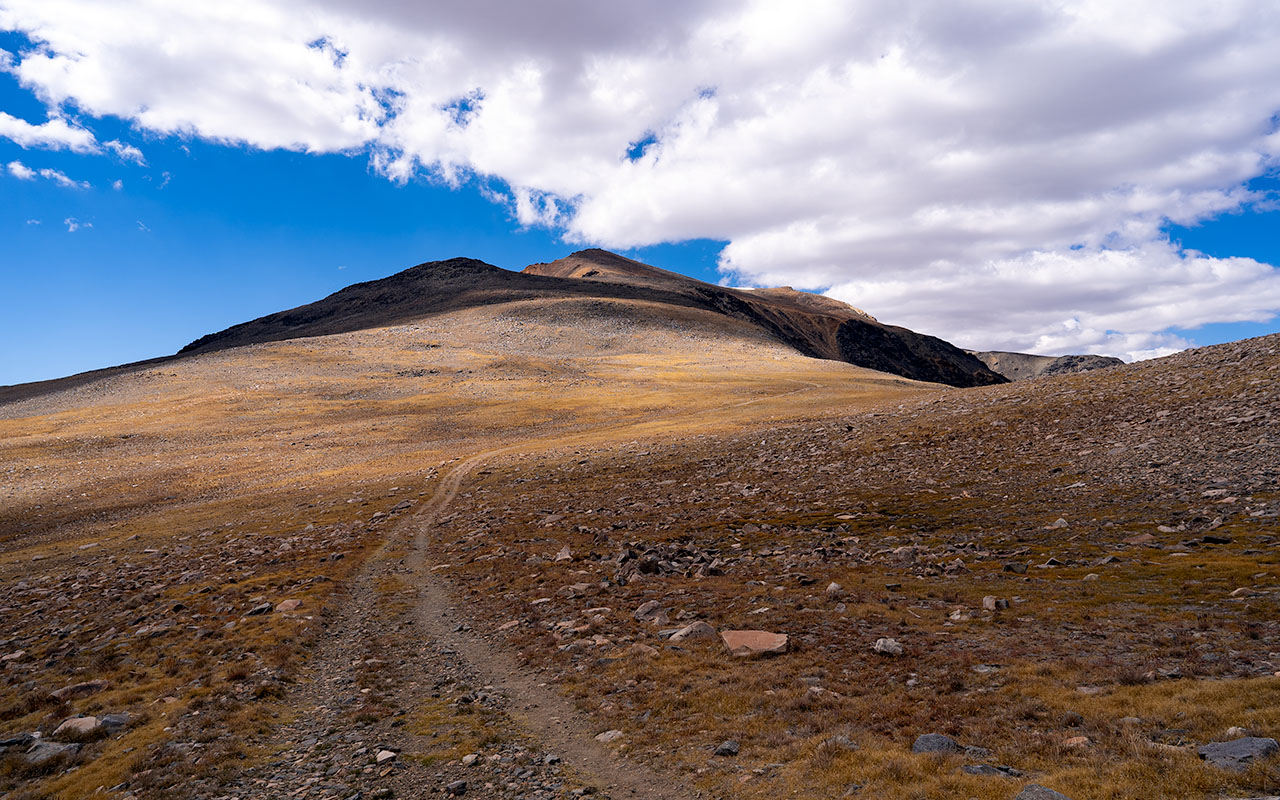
(933,162)
(126,152)
(55,134)
(21,171)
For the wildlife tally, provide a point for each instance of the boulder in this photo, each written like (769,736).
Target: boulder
(43,752)
(727,749)
(936,743)
(609,736)
(83,689)
(1035,791)
(698,630)
(77,726)
(288,605)
(1238,754)
(648,611)
(754,643)
(887,647)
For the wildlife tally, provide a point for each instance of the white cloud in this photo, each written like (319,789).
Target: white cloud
(74,224)
(55,134)
(143,227)
(33,222)
(117,184)
(21,171)
(930,161)
(61,179)
(126,152)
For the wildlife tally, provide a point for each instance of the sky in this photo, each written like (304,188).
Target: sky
(1052,177)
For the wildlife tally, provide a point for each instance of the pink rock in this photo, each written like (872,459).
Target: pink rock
(754,643)
(288,605)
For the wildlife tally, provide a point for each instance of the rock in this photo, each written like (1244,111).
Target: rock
(887,647)
(1142,538)
(1077,741)
(77,726)
(384,756)
(609,736)
(993,603)
(83,689)
(1016,567)
(698,630)
(1035,791)
(564,554)
(1245,591)
(727,749)
(834,589)
(43,752)
(288,605)
(259,610)
(754,643)
(115,722)
(1235,732)
(1058,523)
(648,611)
(987,770)
(470,759)
(1092,576)
(936,743)
(1236,755)
(456,788)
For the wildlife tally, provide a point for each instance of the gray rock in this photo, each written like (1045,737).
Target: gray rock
(259,610)
(1238,754)
(988,770)
(457,787)
(936,743)
(43,752)
(115,722)
(1035,791)
(727,748)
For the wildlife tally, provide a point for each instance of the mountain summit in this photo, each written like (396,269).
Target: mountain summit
(815,326)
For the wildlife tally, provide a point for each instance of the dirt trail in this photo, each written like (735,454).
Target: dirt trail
(379,650)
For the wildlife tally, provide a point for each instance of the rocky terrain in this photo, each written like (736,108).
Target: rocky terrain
(574,545)
(1023,366)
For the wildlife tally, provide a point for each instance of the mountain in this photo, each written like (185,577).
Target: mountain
(1023,366)
(815,326)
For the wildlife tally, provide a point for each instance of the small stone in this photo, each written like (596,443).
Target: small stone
(564,554)
(470,759)
(385,756)
(1016,567)
(887,647)
(259,610)
(697,630)
(727,748)
(936,743)
(609,736)
(1238,754)
(1077,741)
(456,788)
(288,605)
(834,589)
(993,603)
(1058,523)
(115,722)
(1092,576)
(1035,791)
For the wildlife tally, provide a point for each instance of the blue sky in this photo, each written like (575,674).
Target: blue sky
(266,160)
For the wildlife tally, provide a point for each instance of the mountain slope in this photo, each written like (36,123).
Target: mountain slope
(816,326)
(1023,366)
